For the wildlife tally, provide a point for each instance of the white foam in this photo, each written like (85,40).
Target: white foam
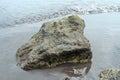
(29,11)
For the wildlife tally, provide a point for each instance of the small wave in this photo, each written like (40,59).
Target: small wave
(74,8)
(67,11)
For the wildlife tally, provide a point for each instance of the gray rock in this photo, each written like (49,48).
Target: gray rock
(57,42)
(110,74)
(67,78)
(118,75)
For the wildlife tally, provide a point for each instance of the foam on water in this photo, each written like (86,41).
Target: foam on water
(28,11)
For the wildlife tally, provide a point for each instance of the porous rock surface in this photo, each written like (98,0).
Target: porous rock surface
(110,74)
(56,42)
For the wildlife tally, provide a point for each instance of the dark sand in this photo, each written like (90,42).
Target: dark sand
(103,31)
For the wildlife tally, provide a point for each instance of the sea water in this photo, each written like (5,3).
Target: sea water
(102,30)
(14,12)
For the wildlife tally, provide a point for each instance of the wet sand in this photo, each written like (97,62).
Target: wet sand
(103,31)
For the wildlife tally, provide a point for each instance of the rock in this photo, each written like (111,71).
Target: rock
(57,42)
(67,78)
(79,71)
(110,74)
(72,78)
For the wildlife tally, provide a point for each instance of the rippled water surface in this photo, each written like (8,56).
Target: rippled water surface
(14,12)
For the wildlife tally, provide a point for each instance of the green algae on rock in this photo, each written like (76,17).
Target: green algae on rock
(57,42)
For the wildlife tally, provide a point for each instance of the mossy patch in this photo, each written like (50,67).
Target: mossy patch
(35,35)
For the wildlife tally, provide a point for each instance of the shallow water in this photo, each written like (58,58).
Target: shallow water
(28,11)
(103,31)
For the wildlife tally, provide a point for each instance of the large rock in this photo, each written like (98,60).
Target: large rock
(56,42)
(110,74)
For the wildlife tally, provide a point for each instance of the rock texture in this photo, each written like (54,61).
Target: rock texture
(55,43)
(110,74)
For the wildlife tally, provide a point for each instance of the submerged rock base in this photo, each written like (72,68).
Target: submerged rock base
(56,42)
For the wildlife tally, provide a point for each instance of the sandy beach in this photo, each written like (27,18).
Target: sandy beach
(101,29)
